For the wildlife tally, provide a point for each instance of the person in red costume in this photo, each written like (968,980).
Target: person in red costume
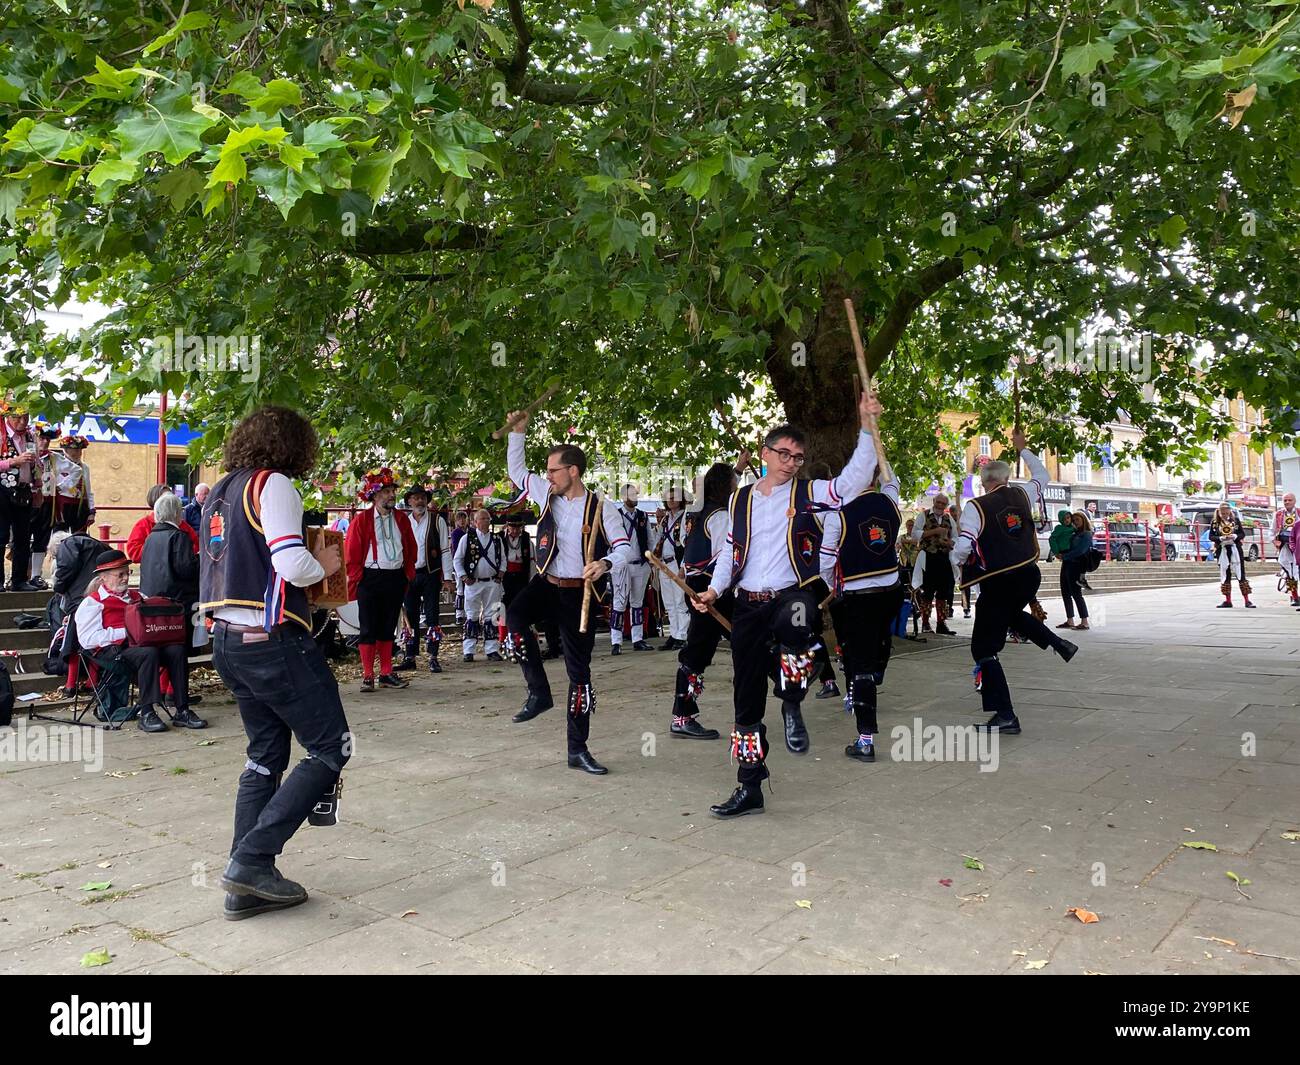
(134,547)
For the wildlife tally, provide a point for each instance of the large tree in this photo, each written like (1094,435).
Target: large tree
(427,211)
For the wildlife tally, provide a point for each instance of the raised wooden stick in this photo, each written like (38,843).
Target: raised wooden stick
(1015,399)
(510,424)
(858,350)
(588,588)
(735,436)
(691,593)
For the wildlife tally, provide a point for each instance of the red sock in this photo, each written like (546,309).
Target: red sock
(385,656)
(368,660)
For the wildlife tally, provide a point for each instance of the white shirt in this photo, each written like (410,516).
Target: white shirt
(569,545)
(484,570)
(972,523)
(670,534)
(90,621)
(831,526)
(418,527)
(767,567)
(514,548)
(281,527)
(387,553)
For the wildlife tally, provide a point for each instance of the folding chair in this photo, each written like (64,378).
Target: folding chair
(105,685)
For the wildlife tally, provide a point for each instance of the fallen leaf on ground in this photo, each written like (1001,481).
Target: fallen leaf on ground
(103,865)
(1020,953)
(803,904)
(1199,845)
(1239,879)
(205,743)
(1216,939)
(1186,829)
(946,883)
(411,913)
(973,862)
(1035,964)
(101,885)
(1086,916)
(355,858)
(96,957)
(1092,972)
(1293,835)
(973,898)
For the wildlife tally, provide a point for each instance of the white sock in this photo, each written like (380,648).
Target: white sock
(38,562)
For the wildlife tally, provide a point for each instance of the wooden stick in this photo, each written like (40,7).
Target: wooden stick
(509,425)
(1015,398)
(588,588)
(735,436)
(826,602)
(691,593)
(858,350)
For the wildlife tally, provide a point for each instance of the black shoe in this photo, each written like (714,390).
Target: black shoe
(467,658)
(672,644)
(187,718)
(1067,650)
(1007,724)
(23,586)
(584,761)
(796,733)
(746,799)
(693,730)
(535,705)
(494,657)
(404,665)
(830,690)
(862,753)
(433,666)
(367,685)
(266,883)
(943,630)
(389,680)
(1226,603)
(641,645)
(616,649)
(150,721)
(1249,605)
(39,582)
(239,907)
(965,613)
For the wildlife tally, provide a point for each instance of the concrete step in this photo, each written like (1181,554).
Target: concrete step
(33,602)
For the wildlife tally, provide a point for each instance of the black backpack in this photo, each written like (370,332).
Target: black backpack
(1091,560)
(6,696)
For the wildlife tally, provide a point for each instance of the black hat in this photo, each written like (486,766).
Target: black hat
(517,518)
(111,560)
(406,496)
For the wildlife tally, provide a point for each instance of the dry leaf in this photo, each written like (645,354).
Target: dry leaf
(1035,964)
(1086,916)
(1020,954)
(1092,972)
(1199,845)
(803,904)
(411,913)
(355,858)
(1216,939)
(1235,104)
(103,865)
(1293,835)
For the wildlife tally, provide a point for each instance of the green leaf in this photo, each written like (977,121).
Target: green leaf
(279,93)
(1240,880)
(194,20)
(245,84)
(293,156)
(321,136)
(1082,59)
(97,885)
(1199,845)
(285,186)
(95,957)
(10,90)
(696,177)
(112,170)
(171,127)
(1182,125)
(602,38)
(230,168)
(982,55)
(1171,229)
(180,186)
(373,174)
(972,863)
(117,83)
(55,142)
(11,197)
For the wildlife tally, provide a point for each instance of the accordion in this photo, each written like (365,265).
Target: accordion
(155,622)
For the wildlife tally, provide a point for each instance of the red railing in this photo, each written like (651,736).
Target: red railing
(1147,544)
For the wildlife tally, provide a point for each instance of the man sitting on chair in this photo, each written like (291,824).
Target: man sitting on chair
(101,631)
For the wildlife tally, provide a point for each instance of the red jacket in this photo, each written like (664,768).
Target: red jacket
(134,548)
(360,546)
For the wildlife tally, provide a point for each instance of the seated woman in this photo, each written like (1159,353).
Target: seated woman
(101,631)
(169,565)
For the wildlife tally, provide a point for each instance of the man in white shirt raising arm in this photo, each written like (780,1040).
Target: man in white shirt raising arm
(773,555)
(998,550)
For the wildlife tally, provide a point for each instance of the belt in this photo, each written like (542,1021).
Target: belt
(475,580)
(566,582)
(871,591)
(230,626)
(746,596)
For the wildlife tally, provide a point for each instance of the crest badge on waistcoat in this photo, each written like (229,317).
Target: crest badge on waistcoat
(807,549)
(216,530)
(875,536)
(1011,521)
(735,554)
(544,542)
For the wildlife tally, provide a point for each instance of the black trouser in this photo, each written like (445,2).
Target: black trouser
(703,633)
(147,661)
(511,585)
(42,524)
(16,525)
(826,670)
(73,514)
(862,622)
(539,600)
(284,689)
(788,622)
(379,602)
(1071,592)
(421,604)
(1001,606)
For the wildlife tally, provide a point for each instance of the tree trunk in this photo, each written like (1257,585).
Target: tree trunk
(816,384)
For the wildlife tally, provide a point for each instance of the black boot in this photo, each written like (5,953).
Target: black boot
(1006,723)
(536,704)
(1066,649)
(746,799)
(689,726)
(241,907)
(584,761)
(796,733)
(266,883)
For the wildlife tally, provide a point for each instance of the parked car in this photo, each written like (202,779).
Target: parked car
(1259,538)
(1142,544)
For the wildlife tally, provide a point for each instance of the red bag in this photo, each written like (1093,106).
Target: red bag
(155,622)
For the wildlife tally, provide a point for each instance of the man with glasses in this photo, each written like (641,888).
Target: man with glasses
(572,518)
(774,540)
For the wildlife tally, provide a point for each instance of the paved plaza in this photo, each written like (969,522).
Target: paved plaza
(469,846)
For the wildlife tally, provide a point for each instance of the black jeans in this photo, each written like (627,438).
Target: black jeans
(283,688)
(539,601)
(862,622)
(1001,606)
(16,525)
(146,662)
(703,633)
(421,604)
(786,621)
(379,602)
(1071,592)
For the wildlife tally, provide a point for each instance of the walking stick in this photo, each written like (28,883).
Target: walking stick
(527,410)
(691,593)
(1015,399)
(588,550)
(857,344)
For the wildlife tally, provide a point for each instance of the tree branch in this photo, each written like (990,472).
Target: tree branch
(391,240)
(516,71)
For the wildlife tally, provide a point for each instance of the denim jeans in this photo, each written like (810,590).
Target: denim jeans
(283,687)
